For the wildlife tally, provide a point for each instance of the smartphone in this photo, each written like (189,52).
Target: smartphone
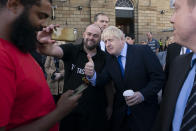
(64,34)
(80,89)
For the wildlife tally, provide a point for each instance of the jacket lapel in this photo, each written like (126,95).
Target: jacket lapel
(116,67)
(178,49)
(183,71)
(129,62)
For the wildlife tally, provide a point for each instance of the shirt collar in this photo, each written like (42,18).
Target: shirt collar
(124,51)
(193,60)
(102,42)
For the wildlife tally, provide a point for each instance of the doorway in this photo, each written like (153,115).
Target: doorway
(125,16)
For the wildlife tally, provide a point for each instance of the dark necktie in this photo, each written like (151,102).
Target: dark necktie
(122,73)
(187,50)
(189,117)
(121,65)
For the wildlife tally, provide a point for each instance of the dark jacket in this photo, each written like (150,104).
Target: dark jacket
(173,87)
(143,73)
(173,51)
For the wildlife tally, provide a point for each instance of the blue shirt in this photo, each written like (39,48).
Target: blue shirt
(123,54)
(183,97)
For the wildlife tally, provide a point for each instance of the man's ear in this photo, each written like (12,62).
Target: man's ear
(14,5)
(83,34)
(123,39)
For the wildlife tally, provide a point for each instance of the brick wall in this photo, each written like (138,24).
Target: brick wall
(147,15)
(154,16)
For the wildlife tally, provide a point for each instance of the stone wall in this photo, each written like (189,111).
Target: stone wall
(149,15)
(154,16)
(79,14)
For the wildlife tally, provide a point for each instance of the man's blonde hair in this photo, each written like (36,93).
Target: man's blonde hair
(112,31)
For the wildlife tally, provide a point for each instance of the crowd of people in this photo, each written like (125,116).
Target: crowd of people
(39,78)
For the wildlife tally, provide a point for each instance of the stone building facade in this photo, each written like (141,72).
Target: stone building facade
(133,16)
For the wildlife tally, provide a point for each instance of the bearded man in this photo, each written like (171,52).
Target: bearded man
(89,115)
(25,98)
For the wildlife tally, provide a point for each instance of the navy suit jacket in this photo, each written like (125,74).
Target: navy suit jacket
(143,73)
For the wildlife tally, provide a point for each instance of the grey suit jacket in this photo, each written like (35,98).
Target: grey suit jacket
(173,87)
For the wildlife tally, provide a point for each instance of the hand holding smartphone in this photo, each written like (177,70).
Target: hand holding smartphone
(80,89)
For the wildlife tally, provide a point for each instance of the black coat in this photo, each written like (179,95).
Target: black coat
(173,50)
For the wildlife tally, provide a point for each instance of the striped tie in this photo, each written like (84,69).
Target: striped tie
(189,118)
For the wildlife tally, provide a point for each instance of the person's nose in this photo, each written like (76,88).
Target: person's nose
(172,19)
(43,23)
(91,37)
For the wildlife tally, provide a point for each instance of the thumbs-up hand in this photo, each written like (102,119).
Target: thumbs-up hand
(89,67)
